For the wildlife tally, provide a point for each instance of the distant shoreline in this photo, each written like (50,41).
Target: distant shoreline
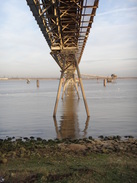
(28,78)
(4,79)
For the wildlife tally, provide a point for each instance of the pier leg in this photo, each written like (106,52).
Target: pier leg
(64,88)
(63,91)
(104,82)
(76,88)
(58,94)
(82,88)
(37,83)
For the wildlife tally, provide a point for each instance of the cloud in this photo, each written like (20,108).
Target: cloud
(111,44)
(113,36)
(121,10)
(110,59)
(107,67)
(23,49)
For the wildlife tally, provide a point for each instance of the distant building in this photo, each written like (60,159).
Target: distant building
(114,76)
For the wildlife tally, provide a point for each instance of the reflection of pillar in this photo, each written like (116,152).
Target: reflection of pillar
(69,123)
(82,88)
(58,94)
(86,127)
(69,126)
(56,127)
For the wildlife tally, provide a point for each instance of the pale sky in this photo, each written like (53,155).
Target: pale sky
(111,46)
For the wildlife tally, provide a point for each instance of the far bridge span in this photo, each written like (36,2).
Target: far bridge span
(65,25)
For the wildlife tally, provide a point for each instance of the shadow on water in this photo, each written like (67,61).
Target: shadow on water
(69,122)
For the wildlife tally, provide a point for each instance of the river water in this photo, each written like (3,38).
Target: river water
(26,110)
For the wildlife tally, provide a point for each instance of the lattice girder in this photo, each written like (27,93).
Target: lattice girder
(65,25)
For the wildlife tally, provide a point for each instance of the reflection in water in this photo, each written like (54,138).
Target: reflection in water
(69,126)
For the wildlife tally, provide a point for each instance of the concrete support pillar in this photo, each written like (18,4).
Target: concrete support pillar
(104,82)
(64,88)
(37,83)
(58,94)
(82,88)
(76,88)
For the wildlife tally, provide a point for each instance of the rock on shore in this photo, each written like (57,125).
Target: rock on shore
(25,147)
(102,145)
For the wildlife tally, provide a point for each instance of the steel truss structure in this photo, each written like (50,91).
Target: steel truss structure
(65,25)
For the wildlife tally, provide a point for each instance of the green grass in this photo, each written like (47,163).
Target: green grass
(70,167)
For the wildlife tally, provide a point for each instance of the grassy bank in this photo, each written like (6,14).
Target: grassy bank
(85,160)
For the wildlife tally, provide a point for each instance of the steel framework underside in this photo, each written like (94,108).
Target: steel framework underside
(65,25)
